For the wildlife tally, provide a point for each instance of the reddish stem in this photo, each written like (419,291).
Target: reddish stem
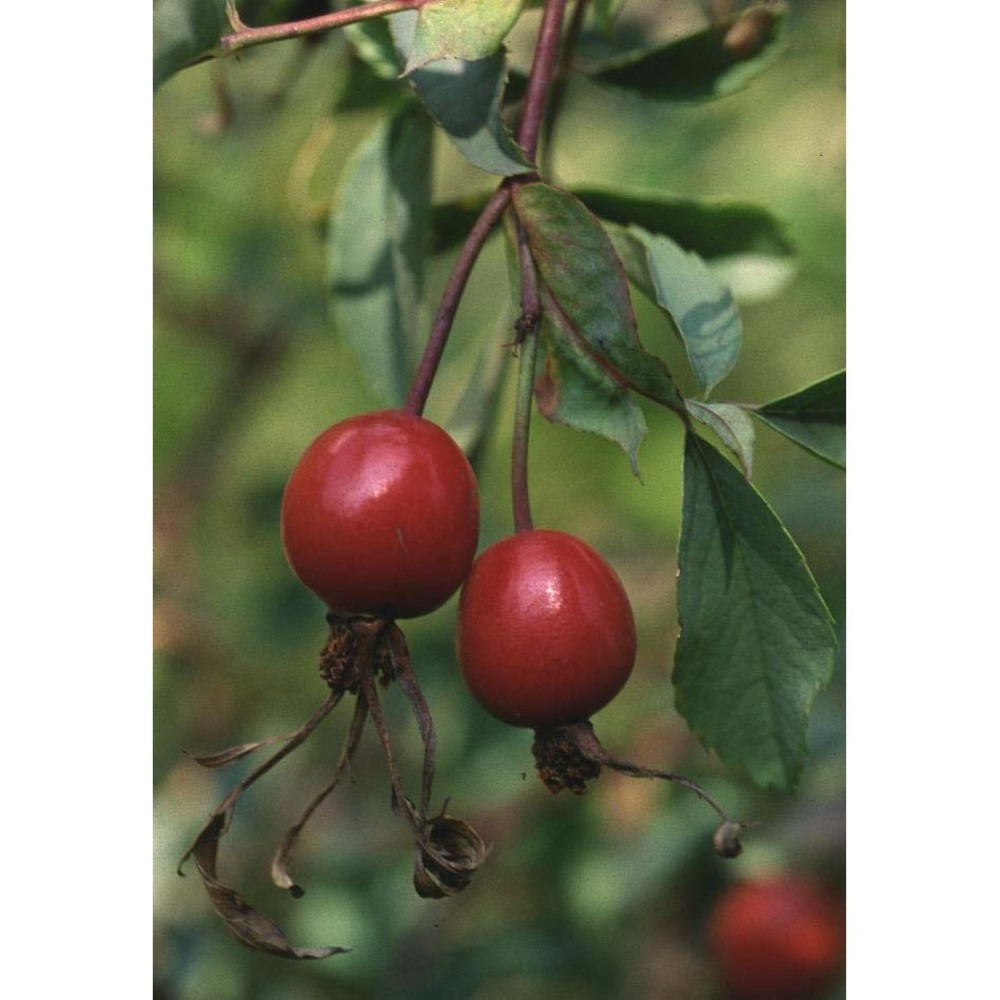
(542,66)
(445,316)
(546,50)
(527,338)
(243,37)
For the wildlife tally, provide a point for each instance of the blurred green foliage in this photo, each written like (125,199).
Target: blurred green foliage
(596,897)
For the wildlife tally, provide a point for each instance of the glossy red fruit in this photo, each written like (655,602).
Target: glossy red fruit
(780,939)
(545,630)
(381,516)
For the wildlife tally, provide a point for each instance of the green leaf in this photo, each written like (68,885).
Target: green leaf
(461,29)
(183,30)
(702,308)
(756,641)
(605,12)
(712,63)
(575,391)
(464,98)
(815,418)
(377,248)
(372,42)
(743,244)
(717,227)
(586,281)
(732,424)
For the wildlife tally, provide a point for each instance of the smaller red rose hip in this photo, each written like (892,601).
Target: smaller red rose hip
(777,939)
(546,635)
(381,516)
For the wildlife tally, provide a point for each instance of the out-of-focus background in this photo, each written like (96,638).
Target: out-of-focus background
(602,896)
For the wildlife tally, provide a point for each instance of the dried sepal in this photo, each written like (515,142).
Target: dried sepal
(403,672)
(450,854)
(569,756)
(280,874)
(231,754)
(254,928)
(355,647)
(560,761)
(251,926)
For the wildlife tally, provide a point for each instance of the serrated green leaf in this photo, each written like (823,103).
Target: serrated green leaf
(815,418)
(732,424)
(461,29)
(756,641)
(377,247)
(464,98)
(183,30)
(701,307)
(712,63)
(578,265)
(575,391)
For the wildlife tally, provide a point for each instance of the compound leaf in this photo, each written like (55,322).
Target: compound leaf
(377,248)
(461,29)
(756,641)
(578,265)
(815,418)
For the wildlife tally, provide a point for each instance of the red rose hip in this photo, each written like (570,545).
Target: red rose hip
(546,634)
(381,516)
(777,939)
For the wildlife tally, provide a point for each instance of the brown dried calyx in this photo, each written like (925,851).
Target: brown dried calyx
(361,655)
(569,756)
(450,854)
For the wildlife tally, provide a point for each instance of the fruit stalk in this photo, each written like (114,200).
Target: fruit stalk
(542,66)
(450,299)
(527,339)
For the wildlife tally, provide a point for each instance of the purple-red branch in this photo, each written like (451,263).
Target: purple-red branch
(542,67)
(543,64)
(451,298)
(527,338)
(243,36)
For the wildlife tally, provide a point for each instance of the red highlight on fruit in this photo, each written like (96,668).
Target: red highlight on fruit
(381,516)
(546,635)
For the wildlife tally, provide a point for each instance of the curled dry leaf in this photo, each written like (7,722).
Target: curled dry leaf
(230,755)
(280,873)
(450,855)
(252,927)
